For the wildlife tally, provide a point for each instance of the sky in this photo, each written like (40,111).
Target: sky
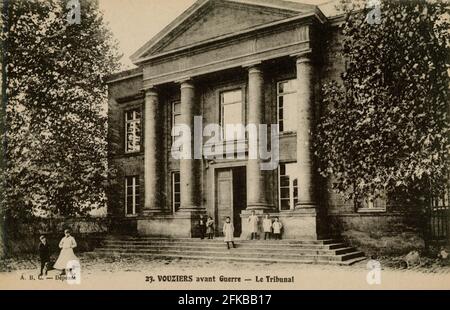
(134,22)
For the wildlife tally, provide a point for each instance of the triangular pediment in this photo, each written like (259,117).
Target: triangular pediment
(207,20)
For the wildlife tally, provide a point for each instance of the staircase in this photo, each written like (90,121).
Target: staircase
(327,251)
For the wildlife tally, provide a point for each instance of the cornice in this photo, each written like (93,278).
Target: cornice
(307,18)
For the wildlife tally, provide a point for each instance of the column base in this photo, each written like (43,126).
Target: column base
(306,205)
(192,209)
(182,224)
(150,212)
(259,206)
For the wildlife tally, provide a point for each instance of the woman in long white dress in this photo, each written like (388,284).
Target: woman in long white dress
(228,232)
(67,244)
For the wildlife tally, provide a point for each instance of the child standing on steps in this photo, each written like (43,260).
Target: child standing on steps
(277,226)
(253,223)
(267,226)
(210,227)
(202,227)
(228,232)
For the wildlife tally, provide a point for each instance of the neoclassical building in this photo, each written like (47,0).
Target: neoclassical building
(232,62)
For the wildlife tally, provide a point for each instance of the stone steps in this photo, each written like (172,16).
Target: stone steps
(232,258)
(326,251)
(239,248)
(324,257)
(219,240)
(204,244)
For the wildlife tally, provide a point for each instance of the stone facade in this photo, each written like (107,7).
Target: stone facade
(213,47)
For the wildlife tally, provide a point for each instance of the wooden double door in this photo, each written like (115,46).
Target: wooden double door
(231,197)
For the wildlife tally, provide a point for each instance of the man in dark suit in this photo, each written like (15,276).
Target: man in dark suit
(44,254)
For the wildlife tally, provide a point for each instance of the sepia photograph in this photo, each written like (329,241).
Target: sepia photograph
(225,145)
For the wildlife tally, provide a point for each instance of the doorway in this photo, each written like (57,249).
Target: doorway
(231,193)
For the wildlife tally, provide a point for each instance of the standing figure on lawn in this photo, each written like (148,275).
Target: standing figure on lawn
(67,244)
(44,255)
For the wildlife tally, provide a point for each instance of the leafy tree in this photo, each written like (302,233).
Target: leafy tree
(386,128)
(55,115)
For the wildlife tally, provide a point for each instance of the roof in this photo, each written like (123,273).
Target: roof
(282,4)
(293,7)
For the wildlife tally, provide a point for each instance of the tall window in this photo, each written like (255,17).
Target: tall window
(287,105)
(176,113)
(176,117)
(133,131)
(132,195)
(231,112)
(288,186)
(176,201)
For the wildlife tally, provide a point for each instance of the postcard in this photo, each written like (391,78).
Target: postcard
(225,145)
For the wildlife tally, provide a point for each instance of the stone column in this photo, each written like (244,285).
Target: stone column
(256,178)
(189,168)
(151,158)
(304,133)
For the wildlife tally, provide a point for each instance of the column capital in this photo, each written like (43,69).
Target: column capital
(150,91)
(253,67)
(186,82)
(304,57)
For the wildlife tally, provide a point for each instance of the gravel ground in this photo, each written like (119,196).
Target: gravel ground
(136,273)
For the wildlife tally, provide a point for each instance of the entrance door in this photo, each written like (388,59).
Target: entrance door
(239,198)
(224,192)
(231,197)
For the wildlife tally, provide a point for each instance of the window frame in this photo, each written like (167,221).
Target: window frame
(135,198)
(278,95)
(174,207)
(174,102)
(292,199)
(221,109)
(134,120)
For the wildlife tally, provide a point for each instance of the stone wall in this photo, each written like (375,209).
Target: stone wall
(123,95)
(22,237)
(390,233)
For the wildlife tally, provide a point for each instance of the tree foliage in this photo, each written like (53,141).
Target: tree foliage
(55,114)
(386,128)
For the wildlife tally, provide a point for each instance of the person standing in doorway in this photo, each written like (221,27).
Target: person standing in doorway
(267,226)
(253,223)
(228,232)
(202,227)
(277,226)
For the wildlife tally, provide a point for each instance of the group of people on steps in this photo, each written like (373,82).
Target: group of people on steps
(271,228)
(206,227)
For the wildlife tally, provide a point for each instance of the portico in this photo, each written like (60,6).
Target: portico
(223,76)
